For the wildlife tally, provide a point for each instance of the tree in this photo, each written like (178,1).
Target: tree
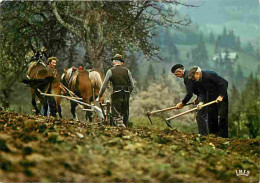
(237,44)
(200,54)
(118,25)
(244,109)
(234,112)
(224,38)
(175,52)
(251,96)
(217,45)
(151,73)
(239,74)
(211,37)
(25,26)
(249,48)
(13,62)
(228,65)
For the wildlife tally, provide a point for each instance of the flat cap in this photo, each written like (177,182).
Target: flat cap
(192,72)
(175,67)
(118,57)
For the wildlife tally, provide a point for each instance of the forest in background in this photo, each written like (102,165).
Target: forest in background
(41,24)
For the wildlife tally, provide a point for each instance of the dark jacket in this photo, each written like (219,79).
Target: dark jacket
(213,85)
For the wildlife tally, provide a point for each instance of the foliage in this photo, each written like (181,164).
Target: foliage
(25,27)
(100,25)
(162,93)
(244,110)
(200,54)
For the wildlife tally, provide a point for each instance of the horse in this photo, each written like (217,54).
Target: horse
(84,84)
(40,77)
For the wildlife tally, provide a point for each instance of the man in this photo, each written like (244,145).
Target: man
(216,89)
(52,61)
(123,85)
(191,88)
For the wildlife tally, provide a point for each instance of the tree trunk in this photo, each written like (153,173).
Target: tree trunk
(5,98)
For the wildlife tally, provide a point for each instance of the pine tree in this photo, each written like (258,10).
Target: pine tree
(239,74)
(249,48)
(237,44)
(224,37)
(217,45)
(151,73)
(228,65)
(175,52)
(251,96)
(211,37)
(234,112)
(200,54)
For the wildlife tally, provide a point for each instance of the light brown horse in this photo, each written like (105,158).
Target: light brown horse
(84,84)
(47,81)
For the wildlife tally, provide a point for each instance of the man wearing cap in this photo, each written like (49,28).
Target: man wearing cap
(191,88)
(123,85)
(216,89)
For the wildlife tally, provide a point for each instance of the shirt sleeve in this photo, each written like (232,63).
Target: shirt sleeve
(189,91)
(105,83)
(131,81)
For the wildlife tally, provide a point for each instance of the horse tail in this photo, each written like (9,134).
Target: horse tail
(38,83)
(96,81)
(95,78)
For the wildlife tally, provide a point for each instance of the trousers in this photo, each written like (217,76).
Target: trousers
(120,106)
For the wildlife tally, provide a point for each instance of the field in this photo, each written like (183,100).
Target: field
(34,148)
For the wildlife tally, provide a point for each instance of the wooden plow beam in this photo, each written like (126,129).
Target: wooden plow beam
(93,108)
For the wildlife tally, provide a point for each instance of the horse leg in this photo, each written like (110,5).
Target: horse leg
(56,89)
(33,101)
(58,107)
(59,110)
(88,113)
(52,106)
(44,105)
(73,106)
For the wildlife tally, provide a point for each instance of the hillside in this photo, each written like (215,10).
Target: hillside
(246,61)
(35,148)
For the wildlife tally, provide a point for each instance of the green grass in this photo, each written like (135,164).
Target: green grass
(159,123)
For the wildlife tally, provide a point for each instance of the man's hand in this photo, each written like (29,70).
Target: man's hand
(199,106)
(179,105)
(195,101)
(98,100)
(219,99)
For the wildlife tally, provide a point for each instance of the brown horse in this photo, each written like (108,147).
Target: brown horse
(47,81)
(84,84)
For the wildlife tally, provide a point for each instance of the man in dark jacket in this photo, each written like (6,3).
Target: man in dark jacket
(123,85)
(191,88)
(216,89)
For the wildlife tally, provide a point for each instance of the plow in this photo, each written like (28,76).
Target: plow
(101,109)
